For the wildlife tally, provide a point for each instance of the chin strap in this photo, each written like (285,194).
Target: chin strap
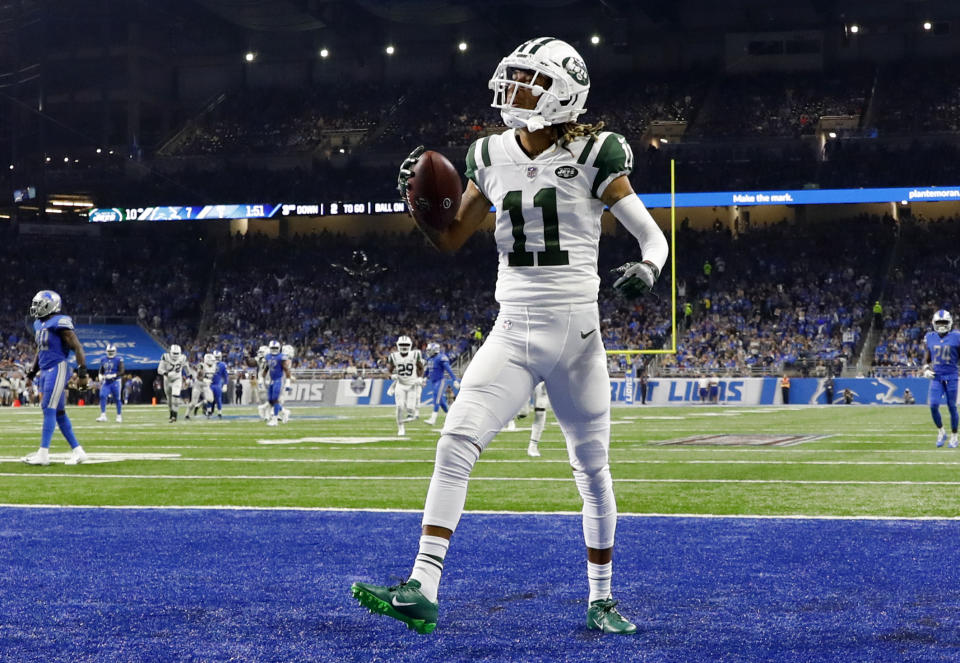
(532,123)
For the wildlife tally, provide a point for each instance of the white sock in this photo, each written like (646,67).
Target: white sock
(599,576)
(429,565)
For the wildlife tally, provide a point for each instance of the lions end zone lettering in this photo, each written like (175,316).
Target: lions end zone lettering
(676,392)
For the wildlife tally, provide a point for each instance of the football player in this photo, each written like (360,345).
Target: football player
(290,353)
(540,403)
(55,337)
(549,179)
(438,367)
(111,368)
(171,367)
(406,368)
(278,373)
(218,384)
(941,357)
(201,394)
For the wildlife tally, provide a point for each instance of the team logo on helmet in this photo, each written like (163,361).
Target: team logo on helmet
(577,70)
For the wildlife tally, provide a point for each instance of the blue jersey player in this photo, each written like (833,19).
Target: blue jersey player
(438,367)
(55,339)
(277,372)
(111,368)
(942,357)
(218,384)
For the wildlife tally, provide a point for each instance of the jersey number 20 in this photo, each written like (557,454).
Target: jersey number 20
(552,255)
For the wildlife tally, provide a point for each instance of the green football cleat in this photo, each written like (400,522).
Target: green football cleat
(404,602)
(602,615)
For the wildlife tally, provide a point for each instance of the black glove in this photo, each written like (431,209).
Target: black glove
(82,372)
(32,373)
(406,170)
(636,279)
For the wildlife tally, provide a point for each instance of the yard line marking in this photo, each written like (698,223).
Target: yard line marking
(282,477)
(572,514)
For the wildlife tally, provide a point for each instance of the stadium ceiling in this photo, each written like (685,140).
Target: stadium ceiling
(306,15)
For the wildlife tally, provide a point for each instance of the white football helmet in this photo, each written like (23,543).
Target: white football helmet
(208,359)
(942,322)
(44,303)
(111,351)
(262,351)
(175,352)
(288,351)
(274,347)
(433,349)
(561,82)
(217,355)
(404,344)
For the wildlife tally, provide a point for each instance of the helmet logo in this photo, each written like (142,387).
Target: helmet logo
(577,70)
(446,203)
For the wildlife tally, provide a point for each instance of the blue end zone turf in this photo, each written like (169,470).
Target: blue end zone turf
(170,585)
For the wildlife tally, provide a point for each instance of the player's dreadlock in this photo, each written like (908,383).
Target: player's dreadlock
(570,131)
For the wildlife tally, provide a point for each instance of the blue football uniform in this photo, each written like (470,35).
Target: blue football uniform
(52,378)
(944,358)
(438,367)
(275,373)
(52,359)
(220,378)
(111,368)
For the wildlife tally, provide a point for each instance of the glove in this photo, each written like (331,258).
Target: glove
(406,170)
(391,389)
(422,382)
(82,372)
(636,279)
(928,372)
(32,373)
(223,388)
(456,384)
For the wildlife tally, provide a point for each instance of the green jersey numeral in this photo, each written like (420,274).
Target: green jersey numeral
(552,255)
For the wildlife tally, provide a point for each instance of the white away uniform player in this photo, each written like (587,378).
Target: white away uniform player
(549,179)
(171,368)
(263,382)
(540,404)
(406,367)
(202,393)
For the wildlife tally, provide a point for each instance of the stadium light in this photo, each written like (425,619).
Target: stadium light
(250,56)
(99,151)
(664,140)
(11,166)
(595,39)
(462,46)
(66,159)
(324,53)
(390,50)
(854,28)
(928,26)
(832,134)
(47,159)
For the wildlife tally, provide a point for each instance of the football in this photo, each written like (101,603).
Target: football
(433,195)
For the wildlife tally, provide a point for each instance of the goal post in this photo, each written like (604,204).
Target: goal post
(672,350)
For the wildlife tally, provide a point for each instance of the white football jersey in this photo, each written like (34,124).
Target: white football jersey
(171,370)
(405,366)
(548,213)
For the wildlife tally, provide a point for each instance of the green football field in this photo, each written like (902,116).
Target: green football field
(812,461)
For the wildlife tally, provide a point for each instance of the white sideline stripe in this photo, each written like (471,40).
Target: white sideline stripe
(572,514)
(520,461)
(282,477)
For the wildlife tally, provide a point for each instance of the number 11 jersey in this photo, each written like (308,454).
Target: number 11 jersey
(548,211)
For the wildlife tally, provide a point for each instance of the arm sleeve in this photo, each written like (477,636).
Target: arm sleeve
(634,216)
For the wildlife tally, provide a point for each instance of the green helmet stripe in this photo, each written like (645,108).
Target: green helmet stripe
(541,42)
